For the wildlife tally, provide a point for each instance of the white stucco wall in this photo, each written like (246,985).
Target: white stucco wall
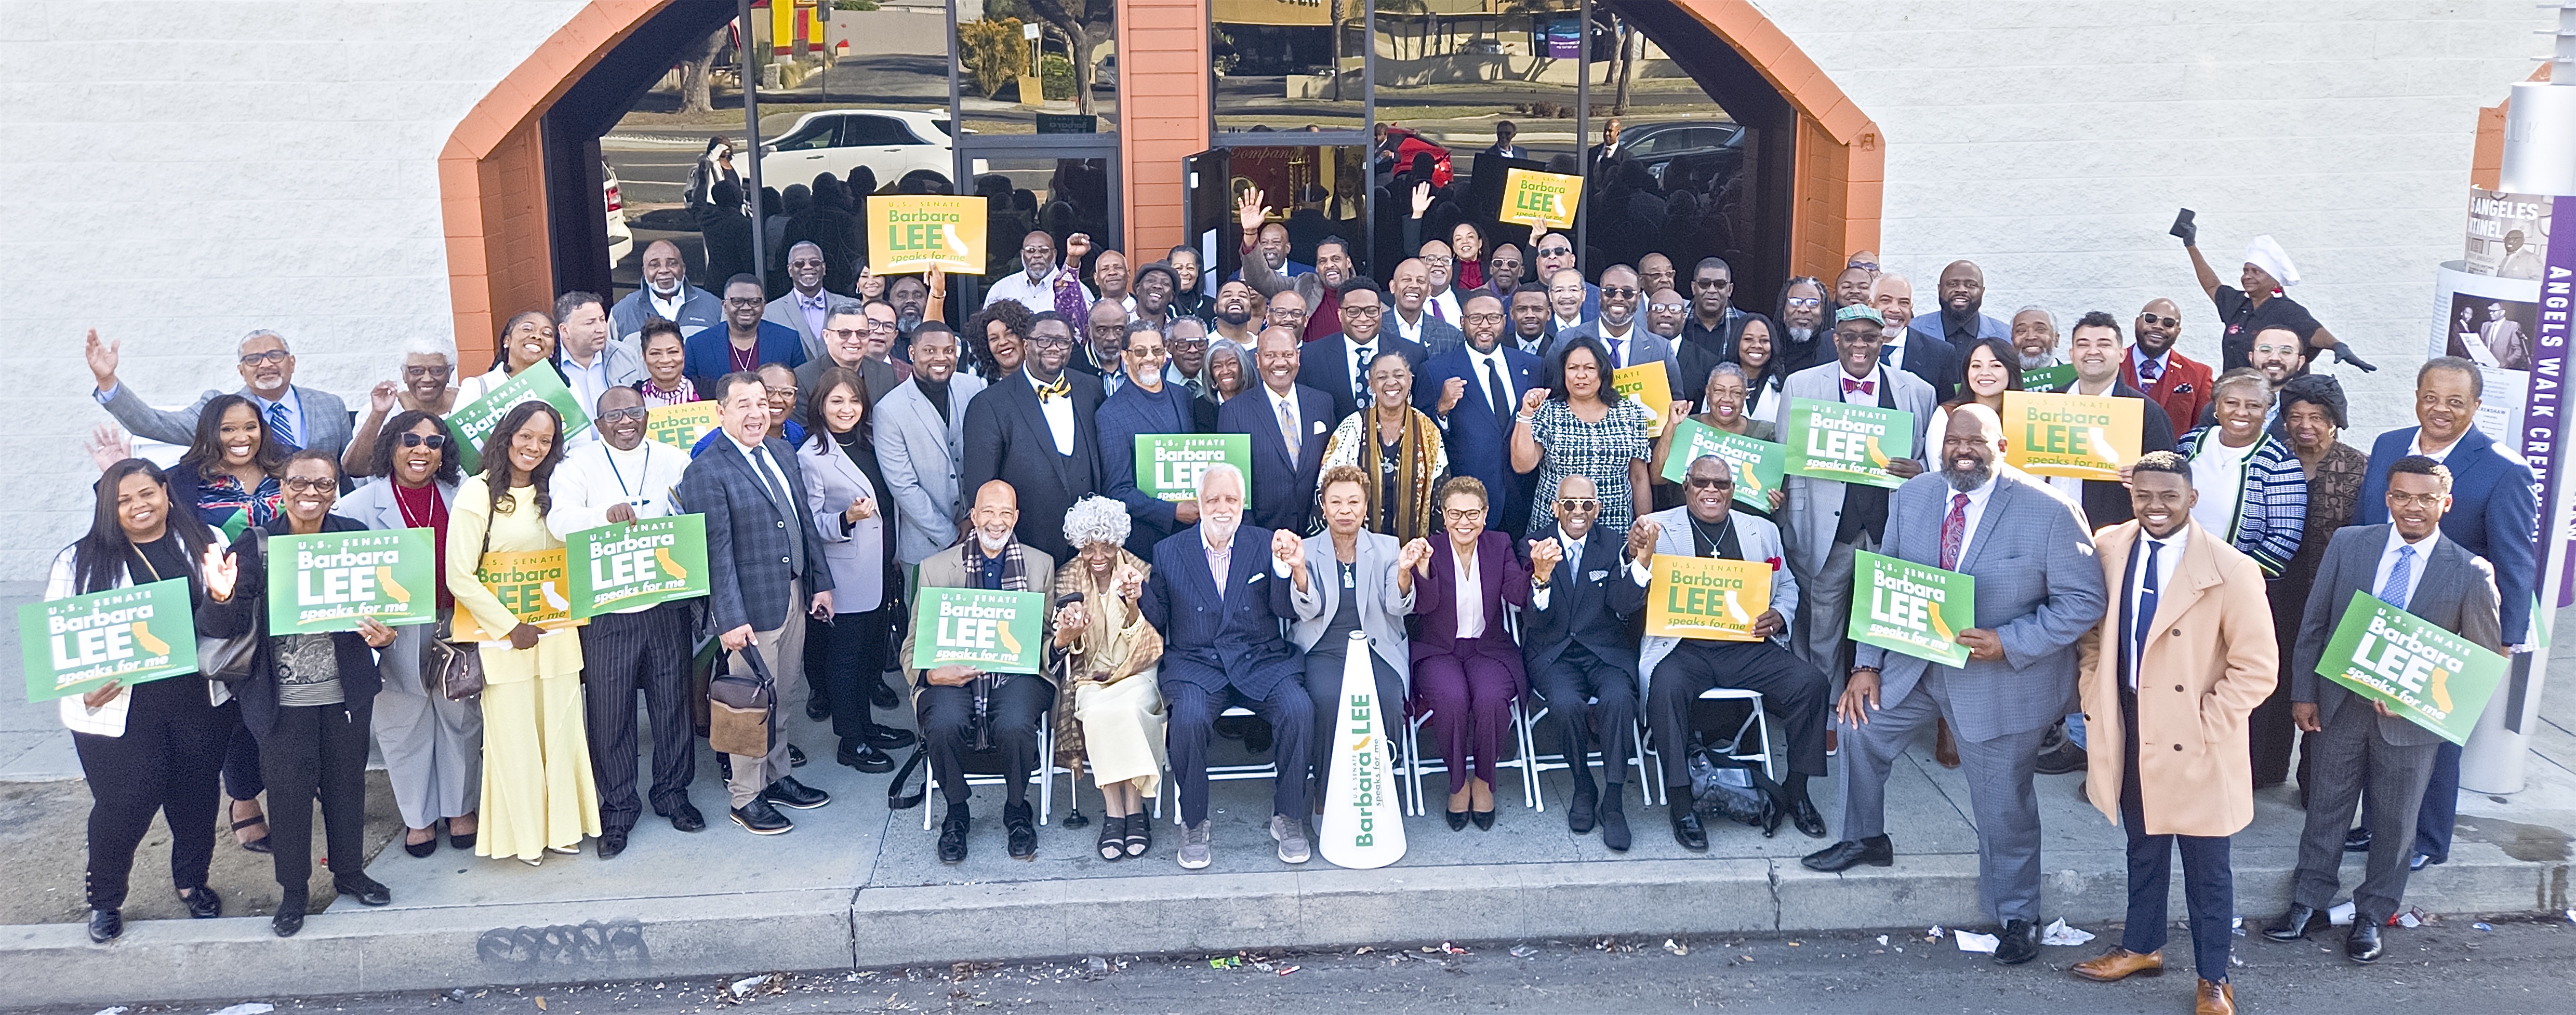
(181,173)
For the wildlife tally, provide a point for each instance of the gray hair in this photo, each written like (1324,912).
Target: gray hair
(1242,359)
(2044,313)
(1221,469)
(1724,369)
(818,248)
(1096,519)
(428,344)
(261,333)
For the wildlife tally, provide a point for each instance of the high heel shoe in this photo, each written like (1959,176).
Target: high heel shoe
(1457,821)
(424,847)
(1484,820)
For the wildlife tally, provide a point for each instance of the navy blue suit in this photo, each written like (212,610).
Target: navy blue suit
(1129,411)
(1581,649)
(1283,491)
(708,355)
(1479,442)
(1225,647)
(2493,513)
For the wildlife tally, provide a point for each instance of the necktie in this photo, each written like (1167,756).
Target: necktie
(1359,377)
(761,466)
(2400,575)
(1868,387)
(281,426)
(1288,426)
(2143,621)
(1615,361)
(1887,353)
(1502,394)
(1954,530)
(2149,370)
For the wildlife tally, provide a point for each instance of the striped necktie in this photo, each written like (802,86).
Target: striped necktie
(281,426)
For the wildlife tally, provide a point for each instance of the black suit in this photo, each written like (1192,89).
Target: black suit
(2106,502)
(1930,359)
(1007,438)
(1579,649)
(1283,491)
(1325,366)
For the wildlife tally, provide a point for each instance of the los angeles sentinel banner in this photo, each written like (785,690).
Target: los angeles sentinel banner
(132,635)
(2077,436)
(640,563)
(1917,609)
(997,632)
(1758,465)
(531,584)
(2428,676)
(1851,443)
(1646,385)
(912,233)
(1697,597)
(1168,464)
(680,426)
(474,422)
(1533,198)
(326,581)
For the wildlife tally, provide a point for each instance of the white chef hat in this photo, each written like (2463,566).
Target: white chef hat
(2266,253)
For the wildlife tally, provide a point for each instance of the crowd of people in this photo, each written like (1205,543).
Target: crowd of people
(1438,463)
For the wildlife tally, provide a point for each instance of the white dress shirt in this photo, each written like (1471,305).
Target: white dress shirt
(1059,415)
(2443,456)
(1479,380)
(1359,364)
(586,382)
(595,476)
(1038,295)
(767,464)
(1878,385)
(1976,510)
(1893,354)
(2415,568)
(2218,473)
(1622,346)
(667,309)
(1468,595)
(294,415)
(2168,553)
(1443,305)
(1412,332)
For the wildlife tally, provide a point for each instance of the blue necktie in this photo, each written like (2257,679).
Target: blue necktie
(1615,361)
(1359,378)
(2143,622)
(281,428)
(2400,575)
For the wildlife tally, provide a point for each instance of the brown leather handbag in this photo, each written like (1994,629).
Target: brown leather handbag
(741,707)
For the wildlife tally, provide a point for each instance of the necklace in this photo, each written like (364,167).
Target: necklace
(420,517)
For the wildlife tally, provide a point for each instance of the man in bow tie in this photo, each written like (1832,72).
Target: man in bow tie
(1829,520)
(1037,431)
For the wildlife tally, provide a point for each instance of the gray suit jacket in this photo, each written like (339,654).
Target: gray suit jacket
(327,425)
(1815,508)
(919,455)
(1757,538)
(784,310)
(2456,594)
(2038,588)
(1382,613)
(832,481)
(1643,346)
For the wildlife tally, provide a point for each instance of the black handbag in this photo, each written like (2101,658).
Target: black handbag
(449,667)
(1724,787)
(230,660)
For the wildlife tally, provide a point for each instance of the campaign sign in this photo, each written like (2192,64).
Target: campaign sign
(1168,464)
(132,635)
(328,580)
(639,563)
(2426,675)
(1851,443)
(1646,385)
(680,426)
(1533,198)
(1701,597)
(997,632)
(475,422)
(2076,436)
(1758,465)
(1917,609)
(531,584)
(2047,379)
(913,233)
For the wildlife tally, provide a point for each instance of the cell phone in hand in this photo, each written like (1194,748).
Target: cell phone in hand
(2184,228)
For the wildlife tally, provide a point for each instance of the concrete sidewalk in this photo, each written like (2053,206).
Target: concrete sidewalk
(856,884)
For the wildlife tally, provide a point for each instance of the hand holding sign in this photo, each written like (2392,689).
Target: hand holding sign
(620,513)
(376,634)
(99,696)
(1983,645)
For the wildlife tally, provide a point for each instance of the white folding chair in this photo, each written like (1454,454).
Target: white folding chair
(1415,766)
(1541,764)
(1043,775)
(1756,720)
(1218,773)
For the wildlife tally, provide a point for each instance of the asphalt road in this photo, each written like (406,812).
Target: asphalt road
(2517,967)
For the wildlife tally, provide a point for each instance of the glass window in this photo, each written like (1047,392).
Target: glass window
(1021,72)
(1679,185)
(1288,65)
(811,134)
(1314,191)
(875,130)
(1061,196)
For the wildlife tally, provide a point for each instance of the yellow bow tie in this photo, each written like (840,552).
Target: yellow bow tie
(1063,387)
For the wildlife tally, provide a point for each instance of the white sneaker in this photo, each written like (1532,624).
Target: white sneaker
(1195,848)
(1290,833)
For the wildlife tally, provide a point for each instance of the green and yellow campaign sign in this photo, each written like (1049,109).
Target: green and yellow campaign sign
(2428,676)
(1168,464)
(475,422)
(1851,443)
(531,584)
(1646,385)
(997,632)
(1533,198)
(918,232)
(680,426)
(1700,597)
(1758,465)
(328,580)
(132,635)
(2047,379)
(638,563)
(2077,436)
(1917,609)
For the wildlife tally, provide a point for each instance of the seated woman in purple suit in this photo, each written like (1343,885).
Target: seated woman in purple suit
(1466,667)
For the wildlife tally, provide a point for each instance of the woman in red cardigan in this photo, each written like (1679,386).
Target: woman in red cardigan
(1466,667)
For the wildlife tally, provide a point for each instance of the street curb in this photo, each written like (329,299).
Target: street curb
(350,950)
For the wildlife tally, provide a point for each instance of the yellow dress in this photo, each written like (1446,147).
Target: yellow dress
(537,786)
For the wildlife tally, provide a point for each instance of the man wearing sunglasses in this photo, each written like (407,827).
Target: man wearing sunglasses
(1618,330)
(2153,365)
(299,418)
(1582,655)
(1555,253)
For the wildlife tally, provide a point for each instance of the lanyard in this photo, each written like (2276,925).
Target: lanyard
(640,474)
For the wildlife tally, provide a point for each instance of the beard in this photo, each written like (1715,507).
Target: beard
(2030,362)
(907,322)
(1801,336)
(992,544)
(1965,480)
(1234,318)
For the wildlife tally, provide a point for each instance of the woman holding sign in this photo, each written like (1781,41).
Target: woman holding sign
(537,780)
(1397,446)
(1728,391)
(845,492)
(169,738)
(529,339)
(1466,665)
(1580,427)
(2252,491)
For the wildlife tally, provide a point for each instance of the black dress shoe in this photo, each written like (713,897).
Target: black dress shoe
(2016,943)
(2065,758)
(818,709)
(2357,841)
(368,891)
(1876,851)
(861,755)
(1802,813)
(2294,924)
(795,756)
(888,738)
(787,792)
(1614,822)
(202,903)
(1579,814)
(1484,820)
(1457,821)
(759,818)
(2363,944)
(290,914)
(880,695)
(1020,820)
(1686,826)
(687,819)
(2422,861)
(952,834)
(105,925)
(611,843)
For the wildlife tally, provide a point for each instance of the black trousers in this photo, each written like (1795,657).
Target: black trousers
(1584,693)
(844,656)
(946,717)
(1193,710)
(622,653)
(2208,881)
(316,751)
(1789,686)
(2270,735)
(242,778)
(1324,683)
(166,764)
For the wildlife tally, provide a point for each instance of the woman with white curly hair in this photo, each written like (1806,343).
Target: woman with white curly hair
(1110,714)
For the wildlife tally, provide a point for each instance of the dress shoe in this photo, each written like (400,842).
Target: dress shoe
(1614,822)
(888,738)
(952,834)
(368,891)
(2016,943)
(202,903)
(2066,758)
(818,710)
(1876,851)
(1945,748)
(2357,841)
(1686,827)
(611,843)
(787,792)
(105,925)
(424,847)
(1802,812)
(2422,861)
(2363,944)
(1256,738)
(2120,964)
(1457,821)
(686,818)
(759,818)
(1019,820)
(881,695)
(1484,820)
(1578,815)
(2294,924)
(795,757)
(2215,999)
(861,755)
(290,914)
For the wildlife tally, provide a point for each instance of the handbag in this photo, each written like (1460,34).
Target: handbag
(1724,787)
(230,660)
(450,667)
(740,707)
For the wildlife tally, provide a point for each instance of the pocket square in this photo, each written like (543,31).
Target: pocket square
(1319,427)
(1598,575)
(1257,576)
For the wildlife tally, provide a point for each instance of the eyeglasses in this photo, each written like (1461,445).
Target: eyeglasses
(308,485)
(635,412)
(252,359)
(2430,500)
(1806,301)
(1362,311)
(1667,307)
(1189,343)
(805,264)
(1051,341)
(1484,318)
(2170,322)
(1711,483)
(877,325)
(1037,251)
(1438,259)
(745,301)
(1863,265)
(1578,504)
(1463,514)
(424,371)
(1619,292)
(433,441)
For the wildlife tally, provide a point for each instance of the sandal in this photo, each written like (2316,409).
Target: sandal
(258,845)
(1113,838)
(1140,834)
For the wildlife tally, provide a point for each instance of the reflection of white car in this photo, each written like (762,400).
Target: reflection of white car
(890,143)
(620,241)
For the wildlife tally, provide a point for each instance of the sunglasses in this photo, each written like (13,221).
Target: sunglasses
(2170,322)
(1619,291)
(1806,301)
(1555,251)
(431,441)
(1708,483)
(1578,504)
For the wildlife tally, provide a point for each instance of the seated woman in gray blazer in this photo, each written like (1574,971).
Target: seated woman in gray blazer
(1354,580)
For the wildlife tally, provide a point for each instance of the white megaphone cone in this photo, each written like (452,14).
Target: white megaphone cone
(1363,827)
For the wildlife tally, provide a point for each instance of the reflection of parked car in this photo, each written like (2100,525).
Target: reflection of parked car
(620,241)
(1408,144)
(1703,149)
(889,142)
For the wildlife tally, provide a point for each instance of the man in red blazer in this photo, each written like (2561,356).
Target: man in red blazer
(2170,379)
